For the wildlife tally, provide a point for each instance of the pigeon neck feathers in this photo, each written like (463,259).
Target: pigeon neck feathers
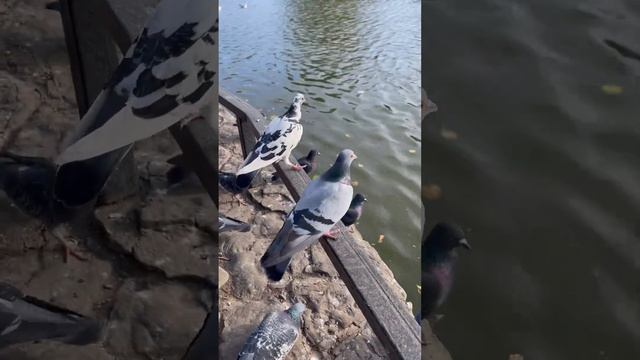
(294,113)
(340,170)
(296,312)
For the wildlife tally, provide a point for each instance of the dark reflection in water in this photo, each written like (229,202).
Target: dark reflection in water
(545,174)
(358,64)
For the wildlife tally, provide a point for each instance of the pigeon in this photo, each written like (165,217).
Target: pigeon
(322,204)
(275,336)
(28,182)
(308,163)
(229,224)
(438,264)
(277,141)
(26,319)
(355,210)
(236,184)
(166,77)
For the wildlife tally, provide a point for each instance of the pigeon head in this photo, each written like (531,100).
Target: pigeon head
(296,311)
(358,200)
(341,168)
(446,237)
(298,99)
(312,155)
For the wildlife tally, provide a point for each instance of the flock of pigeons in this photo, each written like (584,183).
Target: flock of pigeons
(165,78)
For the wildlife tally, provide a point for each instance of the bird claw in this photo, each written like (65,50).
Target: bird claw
(296,167)
(331,234)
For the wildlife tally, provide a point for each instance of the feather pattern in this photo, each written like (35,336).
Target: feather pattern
(275,336)
(277,141)
(167,76)
(322,204)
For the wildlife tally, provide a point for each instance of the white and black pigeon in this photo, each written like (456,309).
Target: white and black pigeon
(167,76)
(277,141)
(228,224)
(322,204)
(275,336)
(26,319)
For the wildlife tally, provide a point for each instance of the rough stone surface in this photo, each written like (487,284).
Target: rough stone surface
(149,256)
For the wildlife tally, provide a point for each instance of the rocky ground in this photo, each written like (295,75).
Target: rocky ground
(333,326)
(150,257)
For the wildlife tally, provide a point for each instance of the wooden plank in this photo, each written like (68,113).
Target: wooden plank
(388,316)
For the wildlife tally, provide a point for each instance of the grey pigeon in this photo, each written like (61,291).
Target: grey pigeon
(166,77)
(277,141)
(355,210)
(438,264)
(275,336)
(229,224)
(308,163)
(26,319)
(322,204)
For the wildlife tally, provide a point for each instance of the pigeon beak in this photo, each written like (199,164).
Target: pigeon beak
(465,244)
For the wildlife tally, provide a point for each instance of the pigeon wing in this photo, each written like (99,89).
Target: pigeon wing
(321,206)
(273,339)
(166,76)
(277,141)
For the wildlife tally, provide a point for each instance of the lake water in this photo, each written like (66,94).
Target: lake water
(358,65)
(545,173)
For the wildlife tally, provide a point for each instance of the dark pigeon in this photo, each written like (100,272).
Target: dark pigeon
(322,204)
(29,183)
(236,184)
(309,164)
(355,210)
(275,336)
(25,319)
(438,264)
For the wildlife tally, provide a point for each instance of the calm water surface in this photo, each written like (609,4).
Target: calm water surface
(545,173)
(358,64)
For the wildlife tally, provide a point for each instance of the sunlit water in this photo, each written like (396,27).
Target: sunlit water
(358,64)
(545,173)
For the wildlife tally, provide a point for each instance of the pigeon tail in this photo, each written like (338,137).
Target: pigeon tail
(94,172)
(276,272)
(236,184)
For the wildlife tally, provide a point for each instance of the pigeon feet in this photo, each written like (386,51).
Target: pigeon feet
(331,234)
(296,167)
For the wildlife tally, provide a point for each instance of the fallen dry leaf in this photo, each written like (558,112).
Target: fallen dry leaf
(610,89)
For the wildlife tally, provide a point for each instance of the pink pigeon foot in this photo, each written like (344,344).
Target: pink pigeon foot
(296,167)
(331,234)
